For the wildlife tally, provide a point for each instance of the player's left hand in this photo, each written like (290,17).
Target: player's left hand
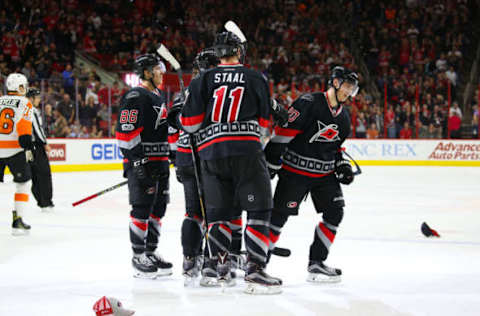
(29,155)
(344,171)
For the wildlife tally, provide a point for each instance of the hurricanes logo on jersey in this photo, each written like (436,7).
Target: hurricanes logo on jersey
(161,115)
(326,133)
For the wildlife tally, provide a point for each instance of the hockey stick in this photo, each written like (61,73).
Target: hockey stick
(358,171)
(116,186)
(232,27)
(277,251)
(165,54)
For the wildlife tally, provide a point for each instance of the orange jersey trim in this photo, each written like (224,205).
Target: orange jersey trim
(9,144)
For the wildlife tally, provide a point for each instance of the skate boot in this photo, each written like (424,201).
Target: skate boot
(190,270)
(143,267)
(18,226)
(209,272)
(318,272)
(164,268)
(224,275)
(259,282)
(237,262)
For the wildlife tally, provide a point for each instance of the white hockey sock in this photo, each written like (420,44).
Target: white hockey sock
(21,197)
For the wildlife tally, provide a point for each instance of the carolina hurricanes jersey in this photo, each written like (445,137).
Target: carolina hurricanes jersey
(15,121)
(142,129)
(228,109)
(311,141)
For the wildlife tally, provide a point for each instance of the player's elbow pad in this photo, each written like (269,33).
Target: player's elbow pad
(25,141)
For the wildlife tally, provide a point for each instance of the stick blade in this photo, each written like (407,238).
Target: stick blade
(165,53)
(233,27)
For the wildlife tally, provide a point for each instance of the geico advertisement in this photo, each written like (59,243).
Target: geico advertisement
(434,150)
(83,151)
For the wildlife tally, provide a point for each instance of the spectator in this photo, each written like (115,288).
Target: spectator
(406,132)
(454,124)
(60,126)
(475,126)
(68,79)
(455,109)
(424,122)
(67,108)
(49,119)
(84,133)
(372,131)
(390,122)
(361,126)
(88,113)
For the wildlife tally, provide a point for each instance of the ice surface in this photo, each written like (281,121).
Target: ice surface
(76,255)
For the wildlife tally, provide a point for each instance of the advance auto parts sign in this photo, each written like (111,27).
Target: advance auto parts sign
(446,150)
(57,152)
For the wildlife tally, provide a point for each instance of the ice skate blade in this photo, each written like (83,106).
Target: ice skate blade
(227,282)
(164,272)
(322,278)
(258,289)
(144,275)
(209,282)
(20,232)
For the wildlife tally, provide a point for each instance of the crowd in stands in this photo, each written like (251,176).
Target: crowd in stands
(413,48)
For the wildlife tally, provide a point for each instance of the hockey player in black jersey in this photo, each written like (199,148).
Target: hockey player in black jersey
(142,132)
(192,226)
(228,109)
(307,154)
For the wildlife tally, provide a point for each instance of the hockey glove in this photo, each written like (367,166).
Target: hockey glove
(279,113)
(29,155)
(174,111)
(140,171)
(344,171)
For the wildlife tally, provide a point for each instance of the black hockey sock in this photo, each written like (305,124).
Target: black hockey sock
(276,224)
(138,232)
(236,227)
(322,240)
(153,234)
(219,237)
(256,235)
(192,232)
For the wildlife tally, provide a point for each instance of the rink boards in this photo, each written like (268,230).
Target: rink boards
(68,155)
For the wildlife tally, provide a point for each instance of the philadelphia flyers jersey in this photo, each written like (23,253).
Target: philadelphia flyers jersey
(142,129)
(15,121)
(228,109)
(311,141)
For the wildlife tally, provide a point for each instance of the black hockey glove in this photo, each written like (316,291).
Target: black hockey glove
(279,113)
(141,173)
(174,112)
(344,171)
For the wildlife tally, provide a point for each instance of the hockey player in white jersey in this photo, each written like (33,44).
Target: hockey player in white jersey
(16,144)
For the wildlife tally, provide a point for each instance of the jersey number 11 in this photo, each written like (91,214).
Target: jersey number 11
(235,96)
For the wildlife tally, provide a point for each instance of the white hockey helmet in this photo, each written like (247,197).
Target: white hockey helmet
(15,80)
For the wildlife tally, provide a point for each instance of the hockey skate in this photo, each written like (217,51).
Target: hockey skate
(191,270)
(143,267)
(224,274)
(209,273)
(259,282)
(164,268)
(19,228)
(47,209)
(318,272)
(237,262)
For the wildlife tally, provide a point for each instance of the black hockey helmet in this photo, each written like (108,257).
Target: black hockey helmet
(32,92)
(227,44)
(146,62)
(205,60)
(344,75)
